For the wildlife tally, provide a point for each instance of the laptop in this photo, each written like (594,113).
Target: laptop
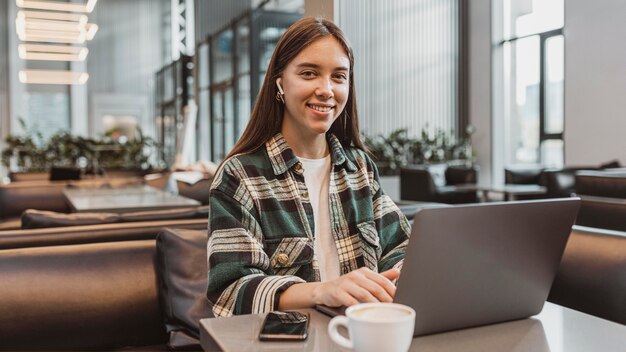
(479,264)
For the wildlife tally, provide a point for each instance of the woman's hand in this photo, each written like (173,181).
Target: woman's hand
(362,285)
(359,286)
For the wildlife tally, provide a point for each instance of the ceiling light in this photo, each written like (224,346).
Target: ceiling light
(53,25)
(52,77)
(91,29)
(45,15)
(52,52)
(32,35)
(57,6)
(65,49)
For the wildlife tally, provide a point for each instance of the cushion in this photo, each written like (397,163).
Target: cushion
(438,173)
(182,272)
(35,219)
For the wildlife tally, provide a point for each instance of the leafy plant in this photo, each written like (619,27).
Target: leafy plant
(398,149)
(32,153)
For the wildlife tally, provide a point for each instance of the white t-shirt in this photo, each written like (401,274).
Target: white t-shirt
(317,180)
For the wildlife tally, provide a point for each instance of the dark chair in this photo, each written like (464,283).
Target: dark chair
(64,173)
(198,191)
(416,183)
(523,176)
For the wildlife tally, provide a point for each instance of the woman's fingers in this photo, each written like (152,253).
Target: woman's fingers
(383,282)
(345,299)
(361,294)
(391,274)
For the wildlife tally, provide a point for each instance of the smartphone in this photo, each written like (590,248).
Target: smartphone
(286,326)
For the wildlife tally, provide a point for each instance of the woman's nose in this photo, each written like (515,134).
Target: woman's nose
(325,89)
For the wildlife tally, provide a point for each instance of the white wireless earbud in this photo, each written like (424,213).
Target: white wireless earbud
(280,88)
(280,95)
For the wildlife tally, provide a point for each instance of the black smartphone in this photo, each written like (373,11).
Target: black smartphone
(286,326)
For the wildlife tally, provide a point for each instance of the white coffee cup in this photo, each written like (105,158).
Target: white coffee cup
(375,327)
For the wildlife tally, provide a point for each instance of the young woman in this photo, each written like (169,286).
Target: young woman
(297,216)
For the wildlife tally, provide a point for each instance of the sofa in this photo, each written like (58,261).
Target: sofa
(435,183)
(101,287)
(603,199)
(592,275)
(559,182)
(120,290)
(16,197)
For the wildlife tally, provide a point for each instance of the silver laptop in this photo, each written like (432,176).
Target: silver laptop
(478,264)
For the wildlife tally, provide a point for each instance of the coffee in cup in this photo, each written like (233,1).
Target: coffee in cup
(375,327)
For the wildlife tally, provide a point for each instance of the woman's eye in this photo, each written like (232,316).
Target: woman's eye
(341,76)
(308,74)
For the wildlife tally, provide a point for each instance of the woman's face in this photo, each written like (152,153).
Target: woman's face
(316,85)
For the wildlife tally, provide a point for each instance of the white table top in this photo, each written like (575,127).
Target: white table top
(555,329)
(124,199)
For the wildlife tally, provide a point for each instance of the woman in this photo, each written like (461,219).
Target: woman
(297,216)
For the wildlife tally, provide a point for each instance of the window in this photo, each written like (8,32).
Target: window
(532,77)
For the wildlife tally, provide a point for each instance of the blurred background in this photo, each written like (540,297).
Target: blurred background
(493,84)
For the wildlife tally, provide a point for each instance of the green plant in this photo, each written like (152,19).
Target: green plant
(32,153)
(391,152)
(398,149)
(443,147)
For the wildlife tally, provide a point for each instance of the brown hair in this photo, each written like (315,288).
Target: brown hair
(267,115)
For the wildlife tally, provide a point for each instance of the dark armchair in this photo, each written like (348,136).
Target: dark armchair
(417,183)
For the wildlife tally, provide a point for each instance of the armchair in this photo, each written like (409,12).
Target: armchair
(417,183)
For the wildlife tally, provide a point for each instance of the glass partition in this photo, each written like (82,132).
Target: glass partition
(237,56)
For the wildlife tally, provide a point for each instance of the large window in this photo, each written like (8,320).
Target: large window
(231,67)
(532,71)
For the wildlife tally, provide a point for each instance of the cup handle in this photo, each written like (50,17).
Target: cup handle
(340,320)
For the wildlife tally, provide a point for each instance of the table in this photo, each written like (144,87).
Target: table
(510,191)
(124,199)
(555,329)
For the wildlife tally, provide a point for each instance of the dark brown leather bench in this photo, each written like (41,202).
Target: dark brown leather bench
(592,274)
(100,287)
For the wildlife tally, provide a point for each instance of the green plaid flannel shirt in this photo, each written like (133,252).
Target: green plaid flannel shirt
(261,225)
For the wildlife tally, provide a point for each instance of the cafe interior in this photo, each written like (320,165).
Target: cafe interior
(115,115)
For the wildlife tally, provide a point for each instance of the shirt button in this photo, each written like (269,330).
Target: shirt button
(282,259)
(305,195)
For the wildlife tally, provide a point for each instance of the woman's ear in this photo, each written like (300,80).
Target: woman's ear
(279,86)
(280,95)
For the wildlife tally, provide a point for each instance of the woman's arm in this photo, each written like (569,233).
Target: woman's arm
(240,280)
(358,286)
(392,226)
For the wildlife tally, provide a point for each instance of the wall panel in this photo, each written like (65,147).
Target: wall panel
(406,70)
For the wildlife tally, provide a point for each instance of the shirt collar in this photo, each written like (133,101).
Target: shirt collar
(283,158)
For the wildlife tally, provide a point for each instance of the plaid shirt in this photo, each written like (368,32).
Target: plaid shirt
(261,225)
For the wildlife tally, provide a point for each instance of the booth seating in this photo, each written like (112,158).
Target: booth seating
(559,182)
(421,183)
(19,196)
(122,286)
(103,287)
(32,219)
(44,195)
(592,274)
(603,196)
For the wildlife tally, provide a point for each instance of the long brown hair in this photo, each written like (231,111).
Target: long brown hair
(267,115)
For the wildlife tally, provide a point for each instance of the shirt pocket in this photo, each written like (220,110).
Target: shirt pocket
(288,254)
(370,244)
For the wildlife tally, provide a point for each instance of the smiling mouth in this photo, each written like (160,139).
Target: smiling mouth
(320,108)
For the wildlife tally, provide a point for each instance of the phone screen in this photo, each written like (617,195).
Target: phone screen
(285,326)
